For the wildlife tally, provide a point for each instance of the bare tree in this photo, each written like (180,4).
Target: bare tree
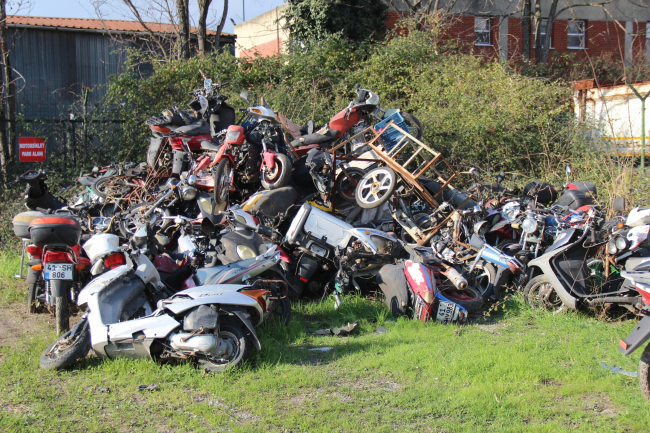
(525,30)
(204,6)
(8,145)
(183,11)
(222,22)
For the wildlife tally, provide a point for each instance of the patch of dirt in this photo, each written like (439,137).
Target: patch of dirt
(16,323)
(601,404)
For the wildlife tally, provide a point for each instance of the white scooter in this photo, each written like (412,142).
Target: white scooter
(128,314)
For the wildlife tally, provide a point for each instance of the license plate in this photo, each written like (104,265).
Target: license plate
(53,271)
(447,312)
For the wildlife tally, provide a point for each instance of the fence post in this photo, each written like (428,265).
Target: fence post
(642,98)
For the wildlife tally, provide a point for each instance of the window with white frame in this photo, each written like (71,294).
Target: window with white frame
(542,33)
(482,31)
(576,34)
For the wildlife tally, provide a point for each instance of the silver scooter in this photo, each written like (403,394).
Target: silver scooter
(128,314)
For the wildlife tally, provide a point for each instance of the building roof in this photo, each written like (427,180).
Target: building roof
(96,24)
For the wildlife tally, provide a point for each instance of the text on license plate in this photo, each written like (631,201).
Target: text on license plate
(53,271)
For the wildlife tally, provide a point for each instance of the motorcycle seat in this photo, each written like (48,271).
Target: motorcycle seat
(315,138)
(206,145)
(197,128)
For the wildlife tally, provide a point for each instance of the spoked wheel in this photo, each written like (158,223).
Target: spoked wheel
(135,218)
(222,180)
(235,349)
(376,187)
(68,348)
(540,294)
(111,187)
(345,186)
(470,298)
(279,175)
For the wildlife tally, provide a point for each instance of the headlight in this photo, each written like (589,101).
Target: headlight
(621,243)
(191,180)
(481,228)
(245,252)
(188,193)
(611,248)
(529,225)
(206,205)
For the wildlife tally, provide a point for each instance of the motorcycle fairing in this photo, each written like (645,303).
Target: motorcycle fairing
(419,278)
(98,283)
(234,272)
(268,160)
(638,235)
(224,294)
(154,326)
(496,256)
(365,236)
(561,240)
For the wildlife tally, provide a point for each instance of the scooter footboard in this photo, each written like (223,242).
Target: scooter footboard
(639,335)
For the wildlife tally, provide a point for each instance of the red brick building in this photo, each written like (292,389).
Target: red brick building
(494,28)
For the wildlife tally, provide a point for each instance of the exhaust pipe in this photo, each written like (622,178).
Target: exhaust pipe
(455,277)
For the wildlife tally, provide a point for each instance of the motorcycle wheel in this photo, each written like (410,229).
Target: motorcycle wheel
(131,223)
(345,186)
(222,181)
(539,293)
(241,348)
(470,298)
(644,372)
(66,349)
(413,123)
(112,186)
(484,276)
(282,307)
(98,186)
(376,187)
(281,174)
(62,314)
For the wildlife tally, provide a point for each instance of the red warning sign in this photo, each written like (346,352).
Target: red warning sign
(31,149)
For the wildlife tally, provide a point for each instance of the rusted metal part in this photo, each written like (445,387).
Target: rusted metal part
(192,334)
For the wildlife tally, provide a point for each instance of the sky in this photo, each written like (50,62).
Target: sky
(84,9)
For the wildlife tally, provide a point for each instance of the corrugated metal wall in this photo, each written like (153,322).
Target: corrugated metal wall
(56,65)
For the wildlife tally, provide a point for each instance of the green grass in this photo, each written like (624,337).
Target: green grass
(518,371)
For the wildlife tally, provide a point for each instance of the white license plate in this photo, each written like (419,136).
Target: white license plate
(447,312)
(52,271)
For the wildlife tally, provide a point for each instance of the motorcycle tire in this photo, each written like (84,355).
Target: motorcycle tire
(237,337)
(385,186)
(128,227)
(222,181)
(470,299)
(644,372)
(54,358)
(31,298)
(101,186)
(539,295)
(345,186)
(62,314)
(97,186)
(282,177)
(413,122)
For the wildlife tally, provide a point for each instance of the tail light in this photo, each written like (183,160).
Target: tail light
(58,256)
(35,251)
(260,296)
(235,135)
(114,260)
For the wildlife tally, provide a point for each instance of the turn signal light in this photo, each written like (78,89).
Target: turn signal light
(79,268)
(623,344)
(620,225)
(37,267)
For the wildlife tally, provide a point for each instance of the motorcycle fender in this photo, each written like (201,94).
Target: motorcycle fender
(242,316)
(32,275)
(639,335)
(543,264)
(268,159)
(60,288)
(219,156)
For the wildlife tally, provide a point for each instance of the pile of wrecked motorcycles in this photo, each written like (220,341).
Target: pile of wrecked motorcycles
(228,220)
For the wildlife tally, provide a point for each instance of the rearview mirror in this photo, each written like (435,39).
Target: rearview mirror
(500,177)
(207,84)
(207,227)
(245,96)
(619,204)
